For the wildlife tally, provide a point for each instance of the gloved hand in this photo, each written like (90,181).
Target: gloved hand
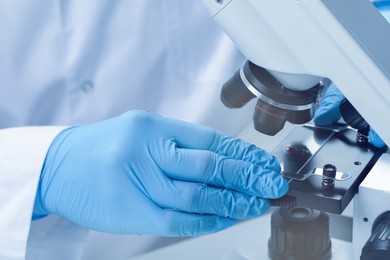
(144,174)
(328,113)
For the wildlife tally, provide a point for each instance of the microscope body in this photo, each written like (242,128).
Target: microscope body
(301,42)
(297,48)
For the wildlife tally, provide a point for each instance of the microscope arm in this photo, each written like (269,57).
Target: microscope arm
(301,41)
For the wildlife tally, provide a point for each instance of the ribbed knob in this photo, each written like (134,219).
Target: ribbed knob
(299,233)
(378,245)
(351,116)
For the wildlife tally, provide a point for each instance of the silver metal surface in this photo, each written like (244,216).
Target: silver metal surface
(340,176)
(268,100)
(296,154)
(248,84)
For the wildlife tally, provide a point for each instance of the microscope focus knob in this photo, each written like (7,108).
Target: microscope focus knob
(351,116)
(377,246)
(355,120)
(299,233)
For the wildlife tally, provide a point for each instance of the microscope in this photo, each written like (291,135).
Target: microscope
(295,49)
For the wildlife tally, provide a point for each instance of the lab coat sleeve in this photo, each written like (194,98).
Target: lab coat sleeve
(22,154)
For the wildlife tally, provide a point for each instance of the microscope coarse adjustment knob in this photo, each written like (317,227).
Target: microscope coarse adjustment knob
(353,118)
(378,245)
(299,233)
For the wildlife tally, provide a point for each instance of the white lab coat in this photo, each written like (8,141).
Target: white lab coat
(67,62)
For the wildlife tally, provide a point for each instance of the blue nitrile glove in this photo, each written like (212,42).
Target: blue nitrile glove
(375,139)
(328,113)
(140,173)
(383,7)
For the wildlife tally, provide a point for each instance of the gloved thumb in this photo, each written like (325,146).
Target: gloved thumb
(328,112)
(375,139)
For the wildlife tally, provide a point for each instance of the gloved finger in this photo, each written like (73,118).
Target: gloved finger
(214,169)
(187,224)
(203,199)
(328,112)
(375,139)
(383,7)
(203,138)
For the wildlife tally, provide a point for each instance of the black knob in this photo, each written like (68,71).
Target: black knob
(299,233)
(328,175)
(351,115)
(377,246)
